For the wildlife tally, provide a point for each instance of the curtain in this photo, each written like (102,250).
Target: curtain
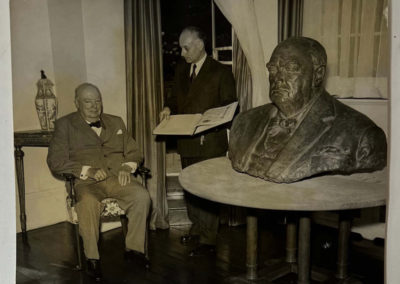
(355,36)
(234,215)
(243,17)
(145,96)
(242,73)
(290,13)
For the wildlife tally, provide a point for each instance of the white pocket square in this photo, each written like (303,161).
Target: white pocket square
(119,132)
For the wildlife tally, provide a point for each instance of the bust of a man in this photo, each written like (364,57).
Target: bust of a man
(304,131)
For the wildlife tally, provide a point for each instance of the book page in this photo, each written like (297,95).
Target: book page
(181,124)
(218,115)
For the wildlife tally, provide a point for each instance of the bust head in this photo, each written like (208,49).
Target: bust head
(296,73)
(328,138)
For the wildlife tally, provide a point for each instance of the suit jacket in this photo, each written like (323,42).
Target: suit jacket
(74,144)
(332,138)
(213,86)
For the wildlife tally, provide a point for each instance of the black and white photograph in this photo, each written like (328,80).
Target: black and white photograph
(200,141)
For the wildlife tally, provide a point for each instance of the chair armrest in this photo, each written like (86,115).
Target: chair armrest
(144,173)
(69,177)
(70,180)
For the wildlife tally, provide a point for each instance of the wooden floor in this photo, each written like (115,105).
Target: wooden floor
(50,258)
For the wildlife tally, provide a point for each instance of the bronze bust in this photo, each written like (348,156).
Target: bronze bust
(304,131)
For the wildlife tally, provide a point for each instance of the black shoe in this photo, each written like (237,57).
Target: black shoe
(93,269)
(186,239)
(203,250)
(137,258)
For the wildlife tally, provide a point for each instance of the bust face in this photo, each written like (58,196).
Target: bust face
(290,77)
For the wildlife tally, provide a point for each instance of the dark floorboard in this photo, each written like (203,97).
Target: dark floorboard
(50,257)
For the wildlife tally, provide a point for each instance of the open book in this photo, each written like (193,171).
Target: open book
(190,124)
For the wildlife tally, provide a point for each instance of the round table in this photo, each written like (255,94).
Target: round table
(215,180)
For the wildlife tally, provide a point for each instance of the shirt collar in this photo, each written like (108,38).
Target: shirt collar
(88,122)
(199,64)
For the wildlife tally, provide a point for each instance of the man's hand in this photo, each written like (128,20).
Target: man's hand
(165,113)
(97,174)
(124,176)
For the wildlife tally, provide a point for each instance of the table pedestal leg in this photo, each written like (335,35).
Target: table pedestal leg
(278,270)
(304,250)
(343,245)
(19,164)
(291,242)
(251,249)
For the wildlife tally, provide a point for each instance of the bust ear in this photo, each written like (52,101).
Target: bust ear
(319,75)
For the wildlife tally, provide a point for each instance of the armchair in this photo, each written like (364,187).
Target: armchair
(110,211)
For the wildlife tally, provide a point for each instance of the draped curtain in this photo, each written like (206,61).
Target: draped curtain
(253,43)
(145,95)
(355,36)
(242,73)
(233,215)
(243,18)
(290,14)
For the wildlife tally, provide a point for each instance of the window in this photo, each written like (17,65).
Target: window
(222,36)
(355,36)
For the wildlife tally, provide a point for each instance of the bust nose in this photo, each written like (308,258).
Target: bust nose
(278,80)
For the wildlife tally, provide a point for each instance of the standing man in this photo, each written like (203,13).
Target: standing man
(200,83)
(96,148)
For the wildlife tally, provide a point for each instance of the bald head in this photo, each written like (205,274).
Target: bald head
(84,87)
(192,42)
(88,102)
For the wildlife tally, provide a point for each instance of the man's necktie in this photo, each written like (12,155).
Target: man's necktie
(193,75)
(96,124)
(278,132)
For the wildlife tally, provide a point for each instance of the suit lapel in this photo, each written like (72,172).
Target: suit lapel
(185,78)
(196,86)
(202,75)
(105,130)
(185,83)
(317,122)
(81,126)
(192,89)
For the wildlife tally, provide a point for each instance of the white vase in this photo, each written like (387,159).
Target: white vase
(46,103)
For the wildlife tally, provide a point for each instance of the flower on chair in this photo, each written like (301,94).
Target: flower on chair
(111,208)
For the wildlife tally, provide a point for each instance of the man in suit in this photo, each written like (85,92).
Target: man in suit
(96,148)
(200,83)
(304,131)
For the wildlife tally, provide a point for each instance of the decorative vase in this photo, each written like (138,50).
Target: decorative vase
(46,103)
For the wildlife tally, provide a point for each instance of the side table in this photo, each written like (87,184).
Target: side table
(29,138)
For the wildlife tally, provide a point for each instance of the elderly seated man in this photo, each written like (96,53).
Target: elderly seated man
(304,131)
(96,148)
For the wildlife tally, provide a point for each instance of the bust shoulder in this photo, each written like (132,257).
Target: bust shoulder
(351,118)
(257,113)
